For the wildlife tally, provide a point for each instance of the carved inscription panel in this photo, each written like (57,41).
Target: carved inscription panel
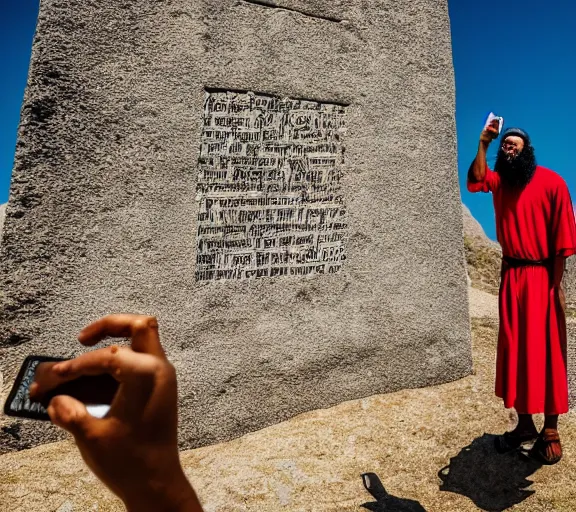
(269,193)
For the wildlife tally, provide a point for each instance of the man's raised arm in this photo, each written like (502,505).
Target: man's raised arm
(477,171)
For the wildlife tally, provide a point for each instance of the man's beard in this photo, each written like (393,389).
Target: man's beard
(516,172)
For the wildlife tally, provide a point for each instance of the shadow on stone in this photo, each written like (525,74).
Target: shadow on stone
(493,481)
(384,501)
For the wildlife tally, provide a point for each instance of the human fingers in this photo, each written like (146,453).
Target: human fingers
(487,135)
(45,379)
(492,131)
(120,362)
(143,331)
(71,415)
(137,373)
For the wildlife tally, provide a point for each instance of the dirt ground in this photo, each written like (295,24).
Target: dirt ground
(431,449)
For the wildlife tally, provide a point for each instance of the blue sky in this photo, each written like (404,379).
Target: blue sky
(17,24)
(514,59)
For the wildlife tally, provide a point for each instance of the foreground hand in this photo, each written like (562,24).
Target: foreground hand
(133,449)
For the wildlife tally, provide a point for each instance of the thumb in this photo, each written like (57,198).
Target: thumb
(70,414)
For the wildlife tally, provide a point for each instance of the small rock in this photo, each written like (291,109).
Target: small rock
(66,507)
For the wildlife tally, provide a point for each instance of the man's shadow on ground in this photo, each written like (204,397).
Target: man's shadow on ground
(493,481)
(384,501)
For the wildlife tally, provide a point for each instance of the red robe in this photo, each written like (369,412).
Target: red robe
(536,223)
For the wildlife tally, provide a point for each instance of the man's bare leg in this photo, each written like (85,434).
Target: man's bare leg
(524,432)
(551,422)
(525,425)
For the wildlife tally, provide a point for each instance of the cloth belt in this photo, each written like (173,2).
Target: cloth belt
(516,262)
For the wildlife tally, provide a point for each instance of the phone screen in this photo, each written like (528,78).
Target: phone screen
(97,392)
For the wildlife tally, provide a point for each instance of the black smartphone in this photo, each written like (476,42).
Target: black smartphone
(97,392)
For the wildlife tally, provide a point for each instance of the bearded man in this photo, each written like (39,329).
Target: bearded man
(537,232)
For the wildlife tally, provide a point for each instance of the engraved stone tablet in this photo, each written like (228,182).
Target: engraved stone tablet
(269,187)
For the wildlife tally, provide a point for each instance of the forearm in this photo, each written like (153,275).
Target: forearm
(477,171)
(559,263)
(189,503)
(176,496)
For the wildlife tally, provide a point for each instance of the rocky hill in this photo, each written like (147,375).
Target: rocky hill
(482,255)
(2,215)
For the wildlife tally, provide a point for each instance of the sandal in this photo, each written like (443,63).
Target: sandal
(512,441)
(539,450)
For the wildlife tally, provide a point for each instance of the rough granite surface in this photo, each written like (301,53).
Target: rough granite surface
(102,211)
